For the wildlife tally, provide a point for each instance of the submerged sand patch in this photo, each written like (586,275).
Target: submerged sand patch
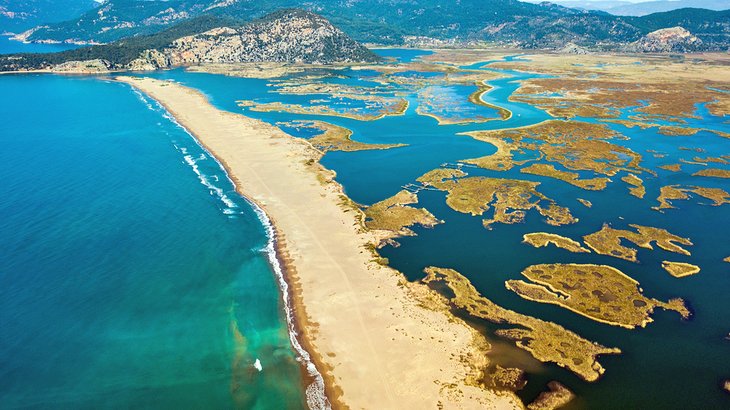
(447,108)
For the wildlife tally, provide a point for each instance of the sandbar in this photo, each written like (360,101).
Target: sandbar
(364,324)
(680,269)
(543,239)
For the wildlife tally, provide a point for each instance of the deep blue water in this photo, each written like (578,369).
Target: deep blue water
(132,275)
(403,55)
(8,46)
(671,364)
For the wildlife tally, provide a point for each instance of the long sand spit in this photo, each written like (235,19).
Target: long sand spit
(378,340)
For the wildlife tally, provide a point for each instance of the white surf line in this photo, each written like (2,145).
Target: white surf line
(193,162)
(315,392)
(316,398)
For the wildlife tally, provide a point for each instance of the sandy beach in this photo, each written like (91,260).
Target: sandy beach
(366,327)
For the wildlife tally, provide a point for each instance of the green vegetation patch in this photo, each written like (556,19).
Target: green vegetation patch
(607,241)
(598,292)
(546,341)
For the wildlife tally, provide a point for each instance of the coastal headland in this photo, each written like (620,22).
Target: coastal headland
(369,331)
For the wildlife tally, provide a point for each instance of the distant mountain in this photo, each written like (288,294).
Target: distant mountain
(116,19)
(642,9)
(712,27)
(625,8)
(19,15)
(289,36)
(601,5)
(509,22)
(667,40)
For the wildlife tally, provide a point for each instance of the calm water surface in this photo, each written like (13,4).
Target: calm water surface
(8,46)
(132,275)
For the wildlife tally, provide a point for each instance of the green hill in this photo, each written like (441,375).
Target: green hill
(392,22)
(20,15)
(290,36)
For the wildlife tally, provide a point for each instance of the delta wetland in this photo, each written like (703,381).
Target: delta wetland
(612,163)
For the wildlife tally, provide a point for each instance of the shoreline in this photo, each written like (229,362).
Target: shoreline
(477,97)
(363,324)
(300,321)
(279,265)
(317,389)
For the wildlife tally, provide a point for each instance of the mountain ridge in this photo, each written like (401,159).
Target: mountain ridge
(19,15)
(667,40)
(390,22)
(626,8)
(286,36)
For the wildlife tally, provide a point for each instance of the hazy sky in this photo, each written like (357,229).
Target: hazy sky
(630,1)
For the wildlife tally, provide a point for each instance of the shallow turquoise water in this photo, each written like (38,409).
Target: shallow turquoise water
(671,364)
(132,275)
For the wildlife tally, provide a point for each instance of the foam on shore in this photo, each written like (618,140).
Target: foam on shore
(315,391)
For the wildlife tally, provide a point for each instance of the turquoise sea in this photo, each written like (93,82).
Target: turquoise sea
(132,275)
(129,271)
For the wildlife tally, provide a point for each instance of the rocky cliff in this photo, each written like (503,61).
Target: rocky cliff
(290,36)
(21,15)
(287,36)
(452,22)
(667,40)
